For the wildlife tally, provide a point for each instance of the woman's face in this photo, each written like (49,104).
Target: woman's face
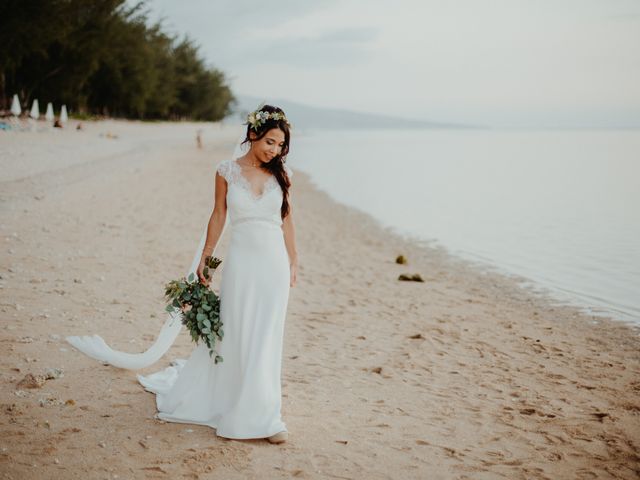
(268,146)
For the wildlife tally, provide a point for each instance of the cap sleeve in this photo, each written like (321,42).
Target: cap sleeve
(224,169)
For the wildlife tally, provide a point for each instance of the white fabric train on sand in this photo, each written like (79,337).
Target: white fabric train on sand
(95,346)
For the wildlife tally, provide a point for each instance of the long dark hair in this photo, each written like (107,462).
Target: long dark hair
(276,165)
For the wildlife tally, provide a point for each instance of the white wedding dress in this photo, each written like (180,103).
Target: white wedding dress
(241,396)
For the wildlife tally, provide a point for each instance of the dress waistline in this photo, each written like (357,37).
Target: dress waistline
(268,221)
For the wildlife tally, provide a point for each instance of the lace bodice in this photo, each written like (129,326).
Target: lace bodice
(242,203)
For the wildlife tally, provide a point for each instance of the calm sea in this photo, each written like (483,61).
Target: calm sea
(560,208)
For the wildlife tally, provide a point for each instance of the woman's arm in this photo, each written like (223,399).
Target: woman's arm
(216,222)
(290,241)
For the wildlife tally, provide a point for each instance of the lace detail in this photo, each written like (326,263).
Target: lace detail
(227,170)
(232,173)
(270,184)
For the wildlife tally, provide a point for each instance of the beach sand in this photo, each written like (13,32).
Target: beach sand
(467,375)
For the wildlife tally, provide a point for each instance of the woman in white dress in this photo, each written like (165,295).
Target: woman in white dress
(241,396)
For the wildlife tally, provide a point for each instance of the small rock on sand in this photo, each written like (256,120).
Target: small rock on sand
(416,277)
(53,373)
(32,381)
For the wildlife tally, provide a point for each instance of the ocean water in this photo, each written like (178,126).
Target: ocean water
(560,208)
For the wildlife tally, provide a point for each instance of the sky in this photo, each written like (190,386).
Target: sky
(493,62)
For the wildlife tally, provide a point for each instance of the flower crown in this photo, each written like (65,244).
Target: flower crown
(259,117)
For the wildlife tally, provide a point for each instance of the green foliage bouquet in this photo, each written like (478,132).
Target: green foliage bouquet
(199,306)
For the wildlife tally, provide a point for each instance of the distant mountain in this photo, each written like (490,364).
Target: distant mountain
(309,117)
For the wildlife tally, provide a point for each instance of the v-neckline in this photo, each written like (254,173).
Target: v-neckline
(249,187)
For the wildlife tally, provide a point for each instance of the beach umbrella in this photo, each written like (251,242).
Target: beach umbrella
(63,114)
(49,115)
(35,110)
(15,106)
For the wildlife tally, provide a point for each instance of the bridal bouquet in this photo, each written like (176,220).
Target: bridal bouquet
(199,306)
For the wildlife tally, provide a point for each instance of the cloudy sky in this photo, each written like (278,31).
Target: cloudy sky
(496,62)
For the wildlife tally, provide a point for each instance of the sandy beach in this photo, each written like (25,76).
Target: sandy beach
(465,376)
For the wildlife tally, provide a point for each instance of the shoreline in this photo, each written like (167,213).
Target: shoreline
(467,375)
(572,245)
(545,293)
(533,287)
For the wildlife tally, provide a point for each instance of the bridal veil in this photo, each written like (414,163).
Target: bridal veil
(95,346)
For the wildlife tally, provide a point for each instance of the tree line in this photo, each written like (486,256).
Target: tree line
(103,57)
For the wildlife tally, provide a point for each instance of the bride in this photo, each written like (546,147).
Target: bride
(241,397)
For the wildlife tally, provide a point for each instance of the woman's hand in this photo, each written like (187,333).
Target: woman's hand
(200,273)
(293,274)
